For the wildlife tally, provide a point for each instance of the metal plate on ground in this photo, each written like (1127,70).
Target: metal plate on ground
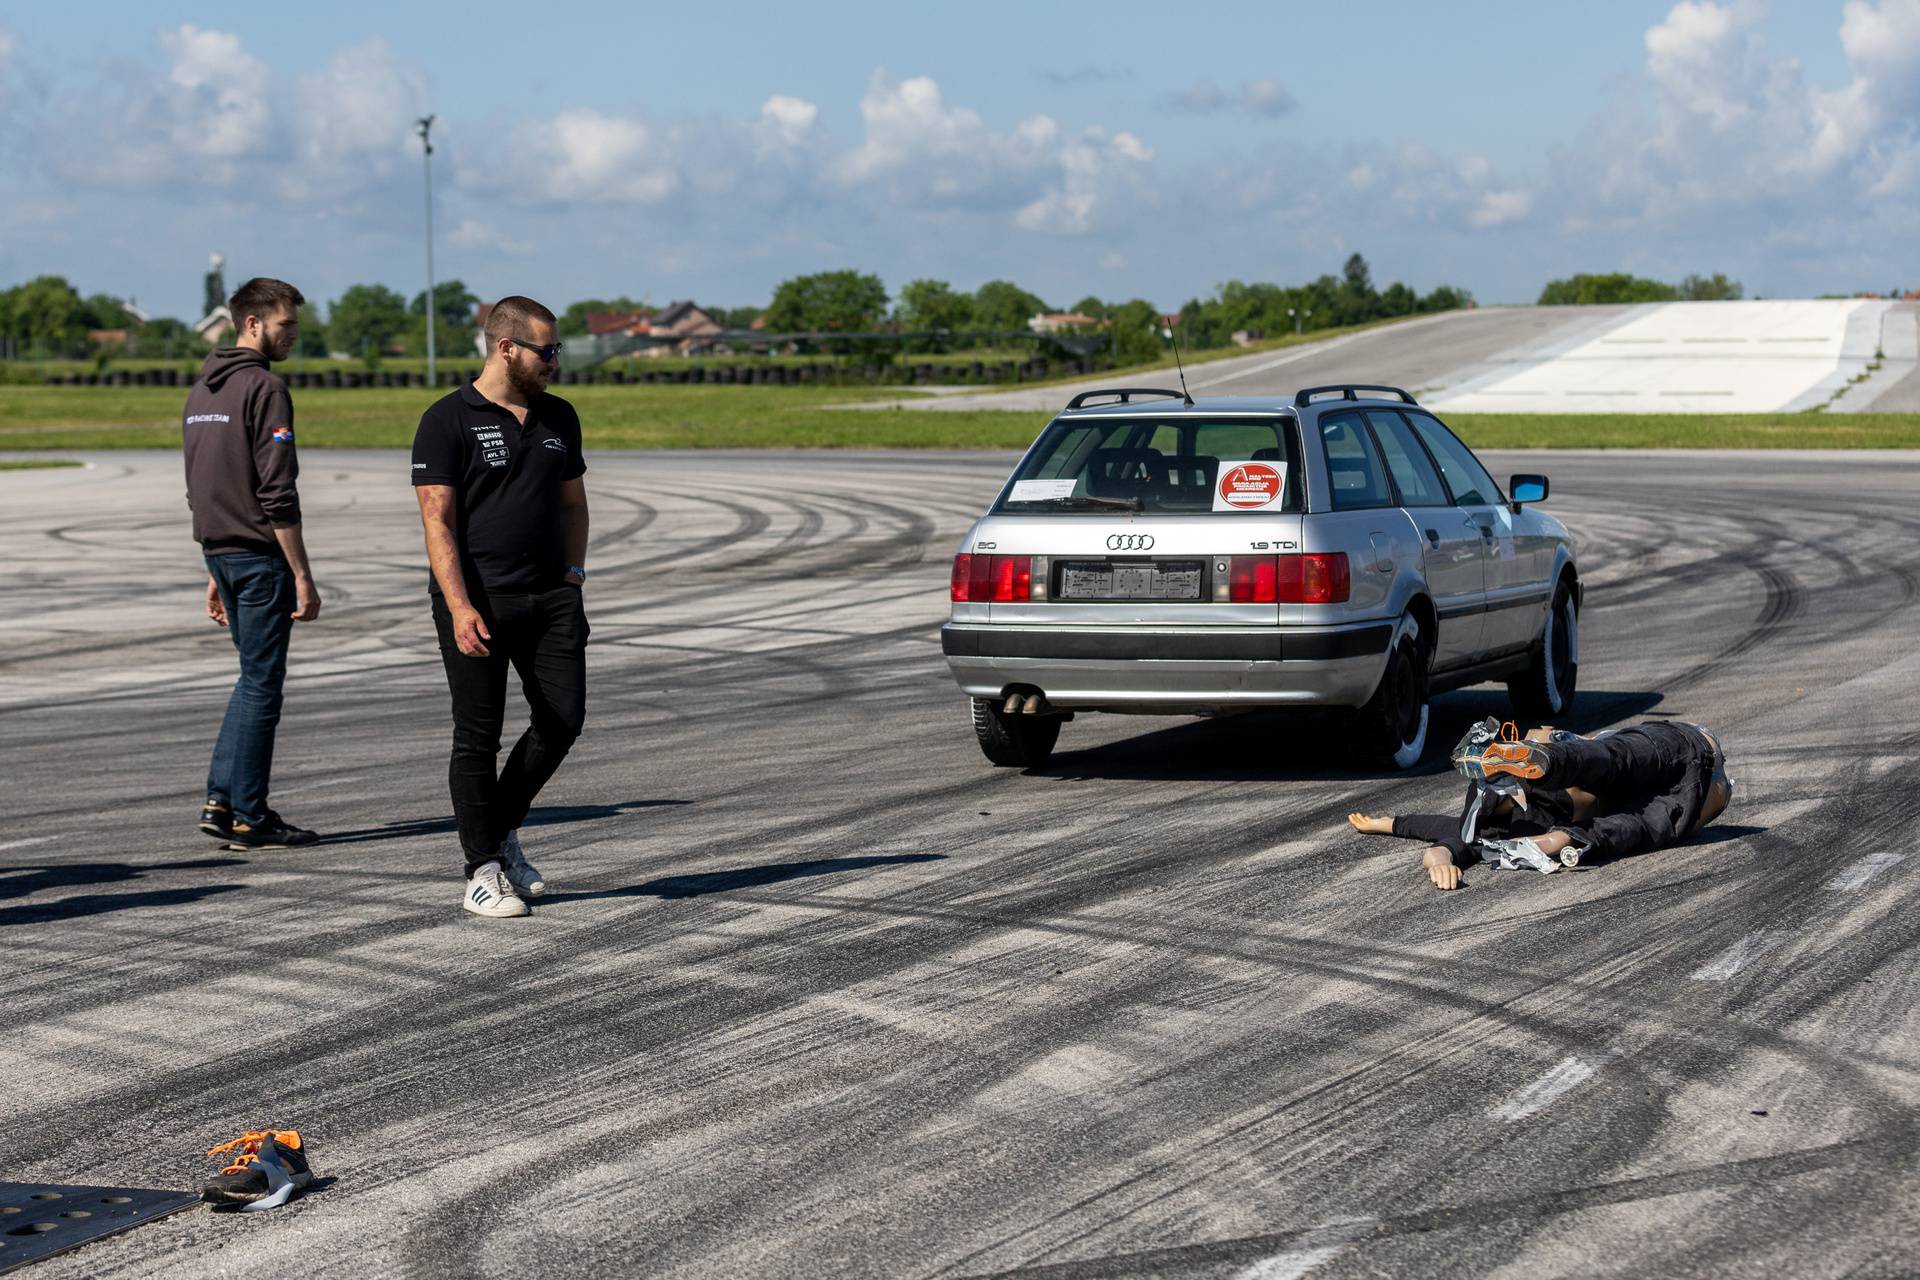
(38,1220)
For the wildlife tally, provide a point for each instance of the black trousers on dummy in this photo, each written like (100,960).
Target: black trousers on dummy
(1651,781)
(543,637)
(1654,778)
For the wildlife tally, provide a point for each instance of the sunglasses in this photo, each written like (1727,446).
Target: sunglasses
(548,354)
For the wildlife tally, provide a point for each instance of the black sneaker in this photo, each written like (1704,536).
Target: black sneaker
(216,820)
(267,1169)
(274,833)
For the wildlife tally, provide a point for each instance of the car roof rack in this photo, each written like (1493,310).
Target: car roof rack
(1125,394)
(1347,389)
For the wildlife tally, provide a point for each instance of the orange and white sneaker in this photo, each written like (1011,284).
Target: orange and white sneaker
(1492,749)
(266,1169)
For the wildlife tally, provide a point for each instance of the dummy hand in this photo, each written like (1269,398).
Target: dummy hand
(1440,869)
(1371,826)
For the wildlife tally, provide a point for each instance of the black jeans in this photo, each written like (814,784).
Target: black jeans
(1653,776)
(544,637)
(259,596)
(1652,779)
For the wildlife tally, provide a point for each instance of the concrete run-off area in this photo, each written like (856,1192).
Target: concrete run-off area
(1844,356)
(819,992)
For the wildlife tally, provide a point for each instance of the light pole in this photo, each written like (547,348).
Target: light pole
(1298,318)
(423,125)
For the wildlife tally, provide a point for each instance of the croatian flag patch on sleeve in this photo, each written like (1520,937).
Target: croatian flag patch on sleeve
(283,434)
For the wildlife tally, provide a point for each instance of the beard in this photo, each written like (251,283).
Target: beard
(528,382)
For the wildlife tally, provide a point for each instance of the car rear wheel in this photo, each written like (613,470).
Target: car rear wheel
(1393,725)
(1545,690)
(1017,740)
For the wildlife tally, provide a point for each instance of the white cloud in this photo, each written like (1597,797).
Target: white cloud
(913,137)
(8,44)
(1730,125)
(226,100)
(1091,164)
(1267,98)
(1498,208)
(471,233)
(361,105)
(789,119)
(587,156)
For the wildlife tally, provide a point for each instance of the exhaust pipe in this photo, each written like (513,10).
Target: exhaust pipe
(1031,704)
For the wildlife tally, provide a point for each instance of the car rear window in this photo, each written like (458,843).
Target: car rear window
(1163,464)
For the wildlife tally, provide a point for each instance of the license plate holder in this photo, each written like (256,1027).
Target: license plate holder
(1171,580)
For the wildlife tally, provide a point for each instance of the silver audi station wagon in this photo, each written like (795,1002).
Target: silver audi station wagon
(1157,555)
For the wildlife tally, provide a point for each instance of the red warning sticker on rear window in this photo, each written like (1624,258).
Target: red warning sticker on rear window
(1250,486)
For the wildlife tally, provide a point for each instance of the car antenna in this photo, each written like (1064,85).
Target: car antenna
(1175,339)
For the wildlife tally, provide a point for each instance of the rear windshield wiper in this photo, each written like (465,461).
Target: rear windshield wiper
(1084,502)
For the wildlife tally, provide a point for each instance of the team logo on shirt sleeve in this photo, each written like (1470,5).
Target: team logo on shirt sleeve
(283,434)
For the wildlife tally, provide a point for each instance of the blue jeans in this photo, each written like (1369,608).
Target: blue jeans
(259,595)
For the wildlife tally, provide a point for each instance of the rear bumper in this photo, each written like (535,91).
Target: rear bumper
(1175,670)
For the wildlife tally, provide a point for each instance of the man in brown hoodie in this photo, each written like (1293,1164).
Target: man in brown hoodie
(241,471)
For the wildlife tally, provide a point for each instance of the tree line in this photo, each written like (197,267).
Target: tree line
(47,318)
(931,315)
(1618,286)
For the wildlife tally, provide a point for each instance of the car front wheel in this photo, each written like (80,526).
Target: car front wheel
(1545,690)
(1020,741)
(1392,727)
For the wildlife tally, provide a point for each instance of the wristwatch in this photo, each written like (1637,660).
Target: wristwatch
(576,569)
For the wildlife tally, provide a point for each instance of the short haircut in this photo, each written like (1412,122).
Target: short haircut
(262,296)
(509,317)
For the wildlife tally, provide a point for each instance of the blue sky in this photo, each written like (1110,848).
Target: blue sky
(1106,148)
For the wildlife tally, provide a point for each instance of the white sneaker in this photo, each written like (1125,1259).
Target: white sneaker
(489,894)
(521,874)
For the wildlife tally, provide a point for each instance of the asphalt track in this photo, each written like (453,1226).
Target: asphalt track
(821,993)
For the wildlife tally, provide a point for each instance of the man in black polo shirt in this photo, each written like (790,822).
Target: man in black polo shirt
(497,468)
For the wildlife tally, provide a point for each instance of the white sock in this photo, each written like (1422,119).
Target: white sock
(494,865)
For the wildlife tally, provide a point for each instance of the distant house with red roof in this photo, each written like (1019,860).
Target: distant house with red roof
(1059,321)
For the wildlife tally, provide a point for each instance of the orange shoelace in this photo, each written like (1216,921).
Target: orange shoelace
(250,1144)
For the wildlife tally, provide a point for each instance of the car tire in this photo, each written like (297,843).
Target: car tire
(1014,741)
(1392,726)
(1546,689)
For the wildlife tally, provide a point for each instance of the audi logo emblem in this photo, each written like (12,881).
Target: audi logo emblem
(1130,542)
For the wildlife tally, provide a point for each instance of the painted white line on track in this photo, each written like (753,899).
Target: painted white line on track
(1322,1244)
(1857,875)
(1545,1091)
(1741,954)
(21,844)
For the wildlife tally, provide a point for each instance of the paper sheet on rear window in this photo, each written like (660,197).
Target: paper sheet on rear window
(1040,490)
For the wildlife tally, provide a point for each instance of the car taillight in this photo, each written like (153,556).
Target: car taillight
(1253,579)
(1011,578)
(1317,577)
(970,577)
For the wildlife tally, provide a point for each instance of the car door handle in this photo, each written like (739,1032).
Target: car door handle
(1433,536)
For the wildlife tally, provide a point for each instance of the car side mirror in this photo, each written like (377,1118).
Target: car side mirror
(1527,489)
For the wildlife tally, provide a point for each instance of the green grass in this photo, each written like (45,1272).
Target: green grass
(796,417)
(35,464)
(615,418)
